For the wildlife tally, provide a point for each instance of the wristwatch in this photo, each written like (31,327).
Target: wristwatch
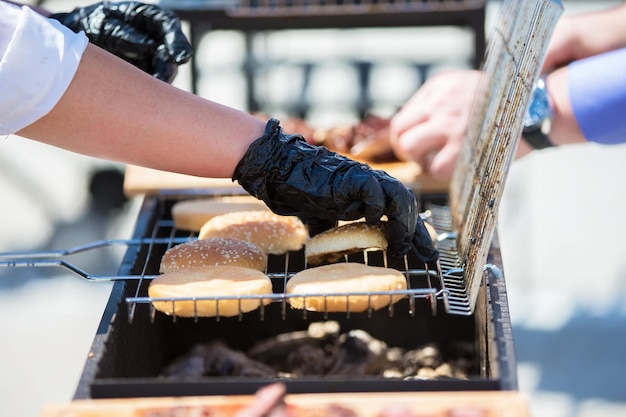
(538,117)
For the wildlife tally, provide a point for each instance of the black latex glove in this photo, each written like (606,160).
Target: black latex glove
(295,178)
(145,35)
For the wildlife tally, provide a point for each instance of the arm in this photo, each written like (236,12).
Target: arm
(81,98)
(430,127)
(583,35)
(114,111)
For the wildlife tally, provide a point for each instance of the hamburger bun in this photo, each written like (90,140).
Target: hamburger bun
(332,244)
(215,251)
(192,214)
(273,233)
(210,281)
(343,278)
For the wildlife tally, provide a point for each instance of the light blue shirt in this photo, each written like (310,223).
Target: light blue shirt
(597,89)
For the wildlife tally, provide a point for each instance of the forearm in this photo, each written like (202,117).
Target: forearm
(114,111)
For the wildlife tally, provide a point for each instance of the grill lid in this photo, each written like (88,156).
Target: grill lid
(511,68)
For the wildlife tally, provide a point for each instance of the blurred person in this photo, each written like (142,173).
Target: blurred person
(581,97)
(62,90)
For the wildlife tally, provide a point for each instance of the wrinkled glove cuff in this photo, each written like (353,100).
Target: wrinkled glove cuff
(254,175)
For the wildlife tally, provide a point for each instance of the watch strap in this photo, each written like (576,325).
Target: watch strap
(536,138)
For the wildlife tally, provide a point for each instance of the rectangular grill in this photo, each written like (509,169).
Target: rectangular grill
(463,301)
(134,342)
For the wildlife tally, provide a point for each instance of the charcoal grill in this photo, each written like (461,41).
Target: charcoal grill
(135,342)
(461,299)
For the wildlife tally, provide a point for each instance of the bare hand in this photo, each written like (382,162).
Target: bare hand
(430,127)
(269,401)
(573,39)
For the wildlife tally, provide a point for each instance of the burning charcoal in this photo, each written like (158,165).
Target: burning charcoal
(426,356)
(216,359)
(392,373)
(307,360)
(189,365)
(426,373)
(358,353)
(220,360)
(445,370)
(278,351)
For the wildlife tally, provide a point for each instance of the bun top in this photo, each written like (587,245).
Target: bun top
(214,251)
(273,233)
(332,244)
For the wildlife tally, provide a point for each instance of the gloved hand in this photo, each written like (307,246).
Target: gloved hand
(143,34)
(297,179)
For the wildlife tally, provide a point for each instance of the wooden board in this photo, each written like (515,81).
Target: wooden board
(144,181)
(419,404)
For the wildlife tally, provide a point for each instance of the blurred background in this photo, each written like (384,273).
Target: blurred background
(561,223)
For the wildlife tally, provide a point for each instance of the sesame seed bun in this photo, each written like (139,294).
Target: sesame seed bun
(214,251)
(273,233)
(191,214)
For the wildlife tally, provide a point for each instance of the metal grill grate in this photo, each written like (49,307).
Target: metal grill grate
(424,285)
(445,284)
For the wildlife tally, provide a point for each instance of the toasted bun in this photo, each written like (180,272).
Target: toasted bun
(332,244)
(215,251)
(341,279)
(192,214)
(211,281)
(272,233)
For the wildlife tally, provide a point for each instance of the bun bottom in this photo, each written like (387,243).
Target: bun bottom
(211,281)
(334,282)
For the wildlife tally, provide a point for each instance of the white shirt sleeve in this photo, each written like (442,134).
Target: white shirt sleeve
(38,59)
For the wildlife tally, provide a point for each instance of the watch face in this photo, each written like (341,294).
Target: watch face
(538,109)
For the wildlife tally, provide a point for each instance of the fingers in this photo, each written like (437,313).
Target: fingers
(401,211)
(127,42)
(416,143)
(422,244)
(163,26)
(268,401)
(366,192)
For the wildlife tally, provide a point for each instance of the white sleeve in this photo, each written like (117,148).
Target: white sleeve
(38,59)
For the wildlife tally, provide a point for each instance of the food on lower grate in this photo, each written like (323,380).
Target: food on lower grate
(333,244)
(367,140)
(214,251)
(211,283)
(273,233)
(330,288)
(322,350)
(193,213)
